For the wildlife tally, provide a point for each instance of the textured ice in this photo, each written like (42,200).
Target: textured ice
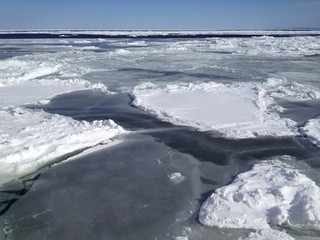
(30,78)
(268,234)
(312,131)
(272,192)
(176,177)
(31,139)
(239,110)
(33,92)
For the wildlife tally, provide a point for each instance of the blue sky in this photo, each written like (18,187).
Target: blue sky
(161,14)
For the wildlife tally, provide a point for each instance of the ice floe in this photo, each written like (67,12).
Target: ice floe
(311,130)
(272,192)
(176,178)
(268,234)
(238,110)
(30,139)
(33,78)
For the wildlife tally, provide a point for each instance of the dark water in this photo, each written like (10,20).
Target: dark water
(124,191)
(130,34)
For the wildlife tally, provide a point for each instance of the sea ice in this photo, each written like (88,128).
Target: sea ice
(272,192)
(268,234)
(176,177)
(312,131)
(31,139)
(238,110)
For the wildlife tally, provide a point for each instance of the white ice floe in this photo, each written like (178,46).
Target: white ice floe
(30,78)
(272,192)
(268,234)
(32,92)
(281,88)
(176,177)
(16,70)
(238,110)
(30,139)
(311,130)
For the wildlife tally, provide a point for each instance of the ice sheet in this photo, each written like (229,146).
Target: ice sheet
(272,192)
(239,110)
(32,92)
(31,139)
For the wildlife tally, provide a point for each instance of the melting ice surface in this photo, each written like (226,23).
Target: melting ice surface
(231,89)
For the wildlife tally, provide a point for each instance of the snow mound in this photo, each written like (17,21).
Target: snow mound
(31,139)
(268,234)
(312,131)
(238,110)
(272,192)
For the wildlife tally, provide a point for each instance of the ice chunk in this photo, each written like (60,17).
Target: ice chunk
(272,192)
(281,88)
(312,131)
(31,139)
(239,110)
(268,234)
(176,177)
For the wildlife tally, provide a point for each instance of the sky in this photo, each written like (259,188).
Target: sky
(160,14)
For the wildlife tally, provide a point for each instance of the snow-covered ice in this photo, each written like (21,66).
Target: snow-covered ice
(32,92)
(272,192)
(243,81)
(268,234)
(176,177)
(238,110)
(30,139)
(312,131)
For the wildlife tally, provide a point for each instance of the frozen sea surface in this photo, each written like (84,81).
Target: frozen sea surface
(255,101)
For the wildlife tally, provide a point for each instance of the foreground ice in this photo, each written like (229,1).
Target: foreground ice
(31,139)
(268,234)
(272,192)
(238,110)
(312,131)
